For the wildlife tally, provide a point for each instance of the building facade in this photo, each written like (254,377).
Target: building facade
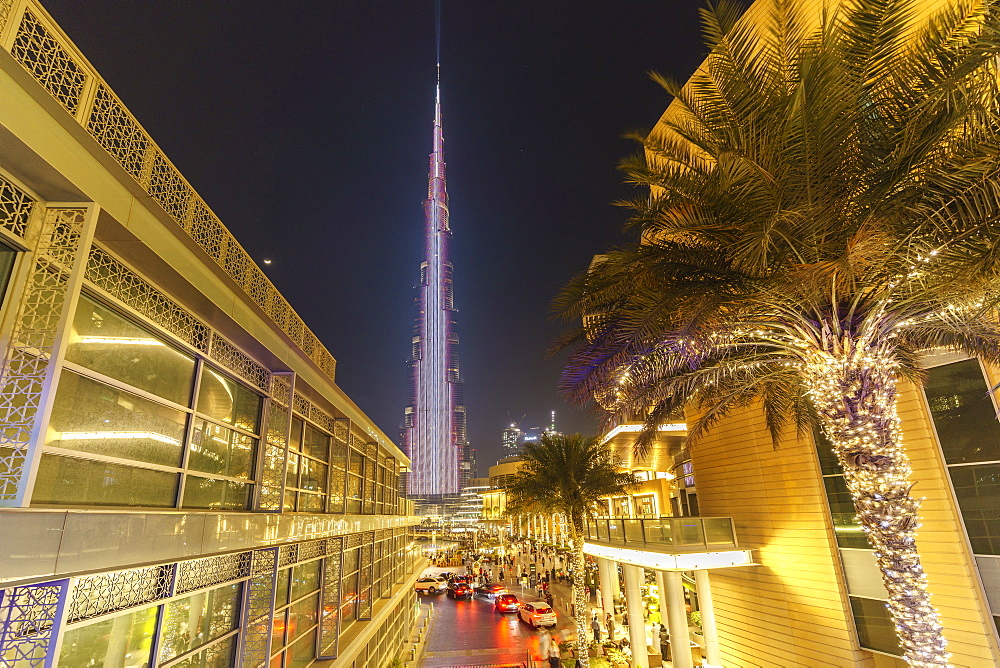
(434,426)
(182,483)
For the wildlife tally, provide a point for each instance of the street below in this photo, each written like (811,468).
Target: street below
(472,632)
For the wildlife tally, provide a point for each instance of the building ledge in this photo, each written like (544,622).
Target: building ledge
(662,559)
(41,544)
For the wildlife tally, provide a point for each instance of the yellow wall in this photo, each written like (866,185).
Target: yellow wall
(792,609)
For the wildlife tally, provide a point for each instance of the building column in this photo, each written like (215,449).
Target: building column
(708,628)
(604,573)
(677,626)
(636,623)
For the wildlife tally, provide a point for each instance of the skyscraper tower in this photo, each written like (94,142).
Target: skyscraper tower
(434,422)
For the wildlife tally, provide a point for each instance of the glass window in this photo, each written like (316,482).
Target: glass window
(219,655)
(292,471)
(124,640)
(218,449)
(305,578)
(849,532)
(339,455)
(90,416)
(316,443)
(303,615)
(978,492)
(296,442)
(875,628)
(71,481)
(963,413)
(197,619)
(312,503)
(313,475)
(227,401)
(281,589)
(279,624)
(7,257)
(357,462)
(107,343)
(304,651)
(828,463)
(214,494)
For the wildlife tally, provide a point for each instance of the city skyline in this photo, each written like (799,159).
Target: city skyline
(330,152)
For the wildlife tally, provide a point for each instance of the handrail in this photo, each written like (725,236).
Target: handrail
(680,534)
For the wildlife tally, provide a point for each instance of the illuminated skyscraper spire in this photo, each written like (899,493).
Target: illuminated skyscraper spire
(434,424)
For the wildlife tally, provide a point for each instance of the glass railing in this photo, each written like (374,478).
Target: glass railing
(682,534)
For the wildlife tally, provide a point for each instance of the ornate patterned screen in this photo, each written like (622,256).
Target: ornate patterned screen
(43,56)
(15,205)
(27,372)
(329,626)
(258,607)
(96,595)
(32,616)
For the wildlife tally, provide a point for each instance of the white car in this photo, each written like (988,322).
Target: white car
(537,613)
(431,585)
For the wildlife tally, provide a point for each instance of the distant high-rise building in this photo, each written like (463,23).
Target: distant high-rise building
(434,422)
(511,440)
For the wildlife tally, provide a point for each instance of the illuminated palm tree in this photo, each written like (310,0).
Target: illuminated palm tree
(820,204)
(568,475)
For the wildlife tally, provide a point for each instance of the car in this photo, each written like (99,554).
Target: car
(537,613)
(460,578)
(431,585)
(458,590)
(491,589)
(506,603)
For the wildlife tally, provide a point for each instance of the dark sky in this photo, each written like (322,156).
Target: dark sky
(306,127)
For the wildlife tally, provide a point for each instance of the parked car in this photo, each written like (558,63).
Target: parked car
(506,603)
(431,585)
(459,590)
(491,589)
(537,613)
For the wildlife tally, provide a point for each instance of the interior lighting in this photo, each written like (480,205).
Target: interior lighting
(122,340)
(102,435)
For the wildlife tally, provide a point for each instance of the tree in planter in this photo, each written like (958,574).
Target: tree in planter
(822,205)
(568,474)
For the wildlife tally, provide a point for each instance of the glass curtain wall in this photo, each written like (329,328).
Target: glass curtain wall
(965,418)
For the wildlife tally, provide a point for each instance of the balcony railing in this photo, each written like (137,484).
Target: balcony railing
(674,534)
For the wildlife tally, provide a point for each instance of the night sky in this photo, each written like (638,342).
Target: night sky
(306,127)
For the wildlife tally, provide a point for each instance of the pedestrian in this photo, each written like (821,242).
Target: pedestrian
(596,626)
(609,621)
(553,653)
(664,643)
(501,575)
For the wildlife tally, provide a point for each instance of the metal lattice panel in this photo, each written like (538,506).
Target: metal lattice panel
(258,607)
(31,620)
(323,419)
(32,342)
(96,595)
(169,189)
(329,624)
(114,278)
(288,555)
(15,205)
(301,405)
(207,230)
(311,550)
(200,573)
(48,62)
(5,6)
(341,430)
(365,580)
(354,540)
(239,362)
(281,385)
(120,135)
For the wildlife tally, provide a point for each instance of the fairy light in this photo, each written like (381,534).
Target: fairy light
(855,395)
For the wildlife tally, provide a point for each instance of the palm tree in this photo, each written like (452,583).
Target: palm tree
(567,475)
(819,205)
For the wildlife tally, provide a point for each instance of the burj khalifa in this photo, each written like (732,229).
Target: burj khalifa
(434,426)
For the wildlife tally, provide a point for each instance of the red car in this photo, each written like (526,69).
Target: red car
(506,603)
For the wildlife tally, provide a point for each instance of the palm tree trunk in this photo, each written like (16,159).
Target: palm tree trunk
(580,602)
(855,395)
